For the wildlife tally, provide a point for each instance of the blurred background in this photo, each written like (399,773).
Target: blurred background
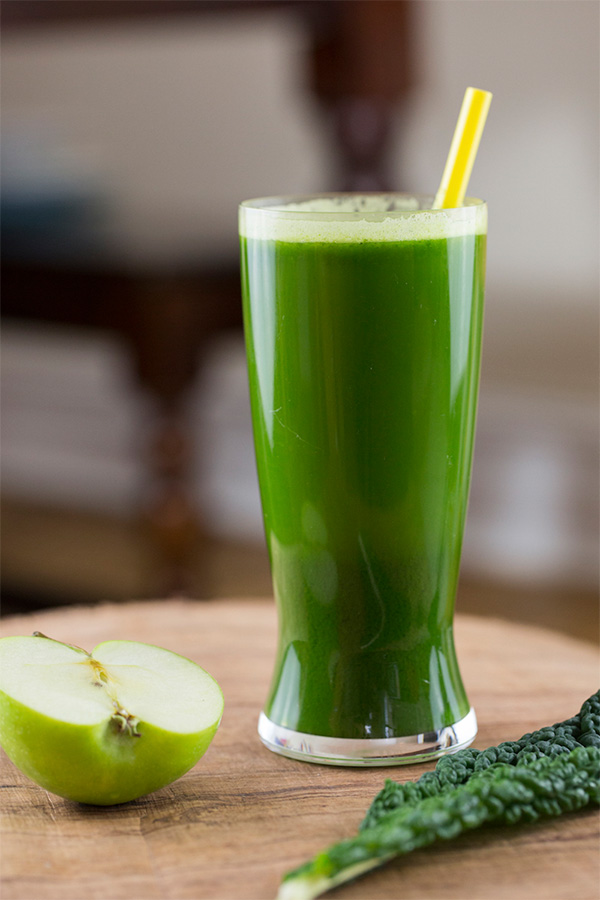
(130,132)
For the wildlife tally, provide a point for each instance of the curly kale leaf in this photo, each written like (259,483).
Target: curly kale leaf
(498,794)
(583,730)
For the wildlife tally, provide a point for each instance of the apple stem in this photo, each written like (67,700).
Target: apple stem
(48,638)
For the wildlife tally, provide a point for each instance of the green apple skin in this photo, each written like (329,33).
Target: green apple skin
(95,765)
(98,763)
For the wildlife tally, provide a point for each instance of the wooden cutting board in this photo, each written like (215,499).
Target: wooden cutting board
(230,828)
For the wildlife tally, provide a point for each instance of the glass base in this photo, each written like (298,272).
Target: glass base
(394,751)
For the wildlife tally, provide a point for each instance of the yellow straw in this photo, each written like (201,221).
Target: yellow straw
(463,149)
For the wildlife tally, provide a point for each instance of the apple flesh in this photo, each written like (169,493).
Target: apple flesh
(103,727)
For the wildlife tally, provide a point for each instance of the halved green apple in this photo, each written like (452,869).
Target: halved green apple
(107,726)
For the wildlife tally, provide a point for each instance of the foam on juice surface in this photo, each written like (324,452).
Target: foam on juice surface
(354,218)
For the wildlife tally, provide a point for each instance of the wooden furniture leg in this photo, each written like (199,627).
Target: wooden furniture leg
(362,65)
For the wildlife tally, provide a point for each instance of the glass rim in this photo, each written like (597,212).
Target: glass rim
(352,217)
(283,205)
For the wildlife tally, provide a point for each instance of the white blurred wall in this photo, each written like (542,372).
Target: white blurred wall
(538,162)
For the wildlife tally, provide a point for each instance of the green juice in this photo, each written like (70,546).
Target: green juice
(363,355)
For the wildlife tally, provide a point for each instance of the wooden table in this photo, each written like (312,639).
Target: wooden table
(243,816)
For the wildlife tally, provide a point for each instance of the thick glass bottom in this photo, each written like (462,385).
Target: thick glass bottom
(394,751)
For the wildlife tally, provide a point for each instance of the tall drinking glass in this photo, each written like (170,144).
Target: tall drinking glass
(363,318)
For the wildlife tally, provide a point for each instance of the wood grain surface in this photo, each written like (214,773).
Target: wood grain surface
(231,827)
